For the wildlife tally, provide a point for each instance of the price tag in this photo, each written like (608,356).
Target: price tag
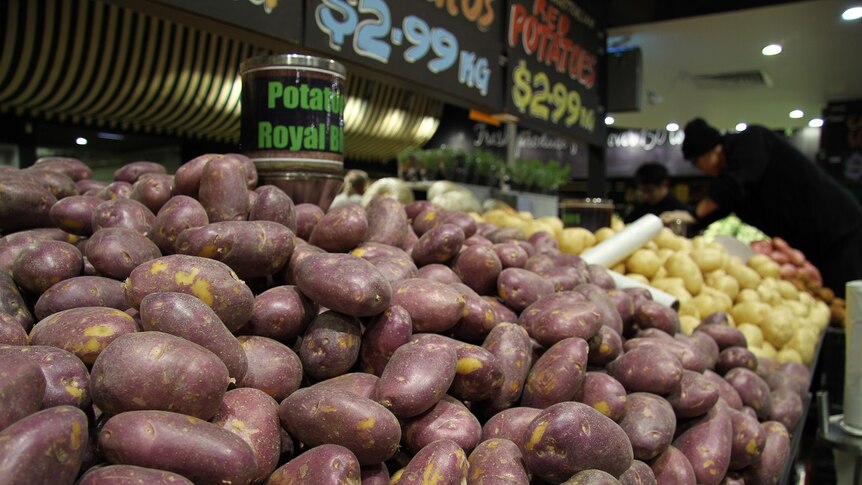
(449,48)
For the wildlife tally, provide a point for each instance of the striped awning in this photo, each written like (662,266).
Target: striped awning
(95,63)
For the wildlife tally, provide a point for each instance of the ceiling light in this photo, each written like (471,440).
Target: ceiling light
(741,126)
(81,140)
(771,50)
(672,127)
(609,120)
(815,123)
(110,136)
(796,114)
(852,13)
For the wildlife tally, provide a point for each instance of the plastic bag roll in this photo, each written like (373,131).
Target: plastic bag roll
(853,359)
(619,246)
(623,281)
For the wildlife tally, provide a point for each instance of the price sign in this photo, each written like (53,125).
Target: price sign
(451,46)
(554,55)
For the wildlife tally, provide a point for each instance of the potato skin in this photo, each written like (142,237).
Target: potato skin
(557,445)
(383,335)
(67,381)
(317,416)
(340,229)
(196,449)
(23,445)
(153,190)
(519,288)
(478,267)
(707,445)
(179,213)
(126,213)
(211,281)
(417,376)
(253,416)
(44,263)
(694,396)
(74,214)
(84,331)
(557,374)
(786,407)
(156,370)
(330,345)
(673,467)
(689,356)
(105,244)
(444,459)
(12,303)
(440,273)
(748,441)
(131,475)
(447,419)
(71,167)
(11,332)
(387,222)
(252,249)
(433,307)
(604,393)
(132,171)
(509,424)
(281,313)
(496,461)
(273,204)
(605,346)
(649,423)
(24,204)
(223,189)
(752,389)
(81,291)
(21,389)
(724,335)
(272,366)
(343,283)
(638,474)
(307,216)
(187,317)
(647,368)
(392,261)
(358,383)
(438,244)
(559,316)
(322,464)
(510,345)
(608,309)
(477,318)
(768,469)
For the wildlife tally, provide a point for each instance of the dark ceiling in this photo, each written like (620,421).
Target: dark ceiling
(618,13)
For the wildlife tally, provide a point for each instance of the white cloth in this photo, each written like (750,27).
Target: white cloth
(344,199)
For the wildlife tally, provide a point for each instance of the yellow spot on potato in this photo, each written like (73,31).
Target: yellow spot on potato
(751,447)
(74,391)
(98,331)
(90,346)
(603,407)
(328,409)
(365,424)
(237,424)
(431,475)
(208,251)
(157,267)
(536,436)
(708,463)
(75,438)
(468,365)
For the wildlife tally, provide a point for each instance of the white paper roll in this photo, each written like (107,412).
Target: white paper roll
(619,246)
(623,281)
(853,359)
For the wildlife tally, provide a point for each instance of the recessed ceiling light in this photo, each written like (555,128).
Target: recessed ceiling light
(815,123)
(741,126)
(771,50)
(81,140)
(672,127)
(852,13)
(797,113)
(609,120)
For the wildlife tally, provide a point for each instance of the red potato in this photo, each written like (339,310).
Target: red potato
(272,367)
(592,477)
(649,423)
(604,393)
(606,346)
(707,444)
(694,396)
(433,306)
(317,416)
(786,407)
(748,441)
(726,392)
(569,437)
(732,357)
(12,303)
(648,368)
(115,190)
(689,355)
(561,315)
(188,317)
(392,261)
(638,474)
(11,332)
(71,167)
(21,389)
(344,283)
(59,184)
(477,240)
(179,213)
(213,282)
(478,267)
(519,288)
(752,389)
(23,446)
(652,314)
(600,277)
(159,371)
(440,273)
(543,241)
(383,335)
(624,303)
(430,217)
(438,244)
(374,474)
(199,450)
(24,204)
(509,424)
(496,461)
(81,291)
(706,344)
(511,255)
(131,475)
(416,207)
(477,318)
(387,222)
(357,383)
(84,331)
(273,204)
(321,464)
(341,229)
(67,380)
(330,345)
(42,264)
(416,377)
(607,308)
(463,220)
(504,313)
(223,189)
(447,419)
(511,347)
(74,214)
(125,213)
(153,190)
(769,467)
(724,335)
(444,460)
(557,374)
(187,178)
(132,171)
(307,216)
(115,251)
(253,416)
(281,313)
(673,468)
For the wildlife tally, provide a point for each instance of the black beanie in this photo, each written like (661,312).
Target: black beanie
(699,139)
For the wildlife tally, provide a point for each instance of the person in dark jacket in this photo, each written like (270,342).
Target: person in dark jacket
(653,186)
(759,176)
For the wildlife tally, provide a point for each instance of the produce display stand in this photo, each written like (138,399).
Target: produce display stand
(788,474)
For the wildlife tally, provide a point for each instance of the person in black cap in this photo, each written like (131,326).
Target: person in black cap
(769,184)
(653,186)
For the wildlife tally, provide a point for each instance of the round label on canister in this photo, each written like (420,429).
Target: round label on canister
(292,109)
